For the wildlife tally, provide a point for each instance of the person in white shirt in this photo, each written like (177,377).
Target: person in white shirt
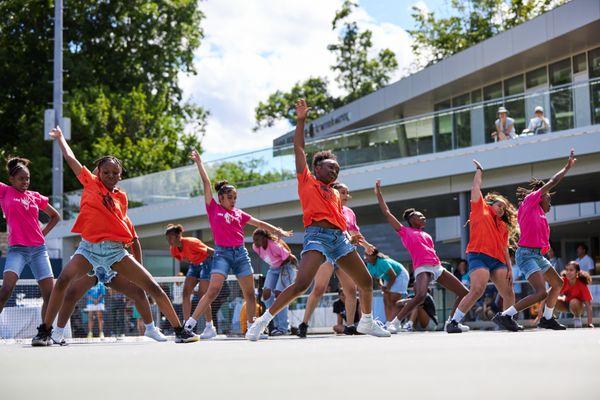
(586,263)
(538,124)
(505,126)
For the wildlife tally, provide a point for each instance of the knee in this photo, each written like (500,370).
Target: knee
(212,293)
(318,290)
(542,295)
(419,298)
(477,291)
(301,286)
(62,283)
(71,297)
(155,290)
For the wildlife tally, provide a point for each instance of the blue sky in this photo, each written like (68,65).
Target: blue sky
(396,12)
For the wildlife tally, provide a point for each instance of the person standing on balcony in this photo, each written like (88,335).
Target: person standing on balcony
(492,226)
(533,244)
(538,124)
(325,237)
(227,225)
(505,126)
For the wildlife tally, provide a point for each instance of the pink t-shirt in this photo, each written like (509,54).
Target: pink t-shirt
(227,225)
(350,219)
(21,210)
(274,255)
(420,246)
(535,231)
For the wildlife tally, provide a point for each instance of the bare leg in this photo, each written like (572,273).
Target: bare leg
(556,284)
(247,286)
(322,278)
(46,286)
(354,266)
(75,292)
(136,294)
(349,288)
(390,300)
(8,285)
(100,321)
(90,322)
(504,286)
(537,281)
(214,288)
(188,288)
(479,279)
(576,308)
(420,286)
(452,283)
(422,317)
(203,289)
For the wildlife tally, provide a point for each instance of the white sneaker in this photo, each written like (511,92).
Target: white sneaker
(391,328)
(209,332)
(256,330)
(58,339)
(372,327)
(407,327)
(577,323)
(462,327)
(155,334)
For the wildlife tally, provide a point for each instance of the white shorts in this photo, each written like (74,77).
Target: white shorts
(435,270)
(94,307)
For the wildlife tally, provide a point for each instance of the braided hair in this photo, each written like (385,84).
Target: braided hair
(534,184)
(103,160)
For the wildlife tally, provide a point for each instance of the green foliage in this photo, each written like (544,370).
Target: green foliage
(122,60)
(470,22)
(356,73)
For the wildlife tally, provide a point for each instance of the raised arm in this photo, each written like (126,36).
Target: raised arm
(560,174)
(477,179)
(203,175)
(301,113)
(72,162)
(54,218)
(385,209)
(269,228)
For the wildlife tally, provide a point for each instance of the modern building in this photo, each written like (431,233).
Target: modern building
(419,136)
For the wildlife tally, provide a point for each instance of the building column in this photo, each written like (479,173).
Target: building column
(463,201)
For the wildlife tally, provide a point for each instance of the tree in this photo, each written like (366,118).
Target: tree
(470,22)
(356,73)
(122,60)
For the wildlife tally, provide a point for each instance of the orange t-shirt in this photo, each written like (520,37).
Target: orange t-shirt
(192,250)
(488,233)
(319,201)
(98,222)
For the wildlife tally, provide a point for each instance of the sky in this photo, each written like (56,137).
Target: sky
(253,48)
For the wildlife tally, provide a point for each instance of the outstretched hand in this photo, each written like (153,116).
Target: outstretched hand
(377,186)
(302,110)
(477,164)
(194,155)
(572,159)
(55,133)
(280,232)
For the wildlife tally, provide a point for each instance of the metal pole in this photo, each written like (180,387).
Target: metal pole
(464,216)
(57,98)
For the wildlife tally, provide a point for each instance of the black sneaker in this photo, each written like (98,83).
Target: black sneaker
(351,330)
(43,337)
(505,322)
(183,335)
(302,330)
(452,327)
(551,323)
(519,326)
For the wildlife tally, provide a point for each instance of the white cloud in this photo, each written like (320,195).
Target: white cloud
(253,48)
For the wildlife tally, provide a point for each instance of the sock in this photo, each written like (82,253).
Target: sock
(458,315)
(58,331)
(149,326)
(395,321)
(510,311)
(367,316)
(268,316)
(190,323)
(548,312)
(209,324)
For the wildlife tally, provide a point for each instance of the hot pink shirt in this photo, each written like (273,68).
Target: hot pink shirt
(274,255)
(21,210)
(350,219)
(535,231)
(419,245)
(227,225)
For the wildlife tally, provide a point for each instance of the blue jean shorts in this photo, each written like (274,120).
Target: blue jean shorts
(480,260)
(102,256)
(278,279)
(531,261)
(400,285)
(332,243)
(231,259)
(36,257)
(200,271)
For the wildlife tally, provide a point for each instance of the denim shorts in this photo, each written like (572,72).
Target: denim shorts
(102,256)
(480,260)
(231,259)
(332,243)
(278,279)
(201,271)
(400,285)
(531,261)
(36,257)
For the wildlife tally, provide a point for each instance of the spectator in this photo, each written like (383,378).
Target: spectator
(575,294)
(177,295)
(340,309)
(461,269)
(95,307)
(538,124)
(422,318)
(556,262)
(505,126)
(586,263)
(517,276)
(116,303)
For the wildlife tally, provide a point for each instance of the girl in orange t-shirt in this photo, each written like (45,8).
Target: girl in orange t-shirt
(575,294)
(492,224)
(325,235)
(199,256)
(106,231)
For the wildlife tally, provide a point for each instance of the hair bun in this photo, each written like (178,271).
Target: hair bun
(220,184)
(174,228)
(14,164)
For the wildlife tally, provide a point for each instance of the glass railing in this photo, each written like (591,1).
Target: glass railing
(445,130)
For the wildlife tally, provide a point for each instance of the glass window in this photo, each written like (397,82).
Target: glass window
(513,85)
(476,96)
(536,77)
(594,72)
(579,63)
(443,127)
(462,129)
(490,110)
(516,104)
(462,100)
(594,63)
(560,72)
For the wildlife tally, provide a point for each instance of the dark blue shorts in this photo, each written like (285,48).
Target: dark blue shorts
(201,271)
(480,260)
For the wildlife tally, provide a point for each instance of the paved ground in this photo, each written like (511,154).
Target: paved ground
(476,365)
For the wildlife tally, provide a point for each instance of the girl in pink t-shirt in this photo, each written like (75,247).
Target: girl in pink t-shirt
(26,240)
(534,203)
(227,225)
(427,267)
